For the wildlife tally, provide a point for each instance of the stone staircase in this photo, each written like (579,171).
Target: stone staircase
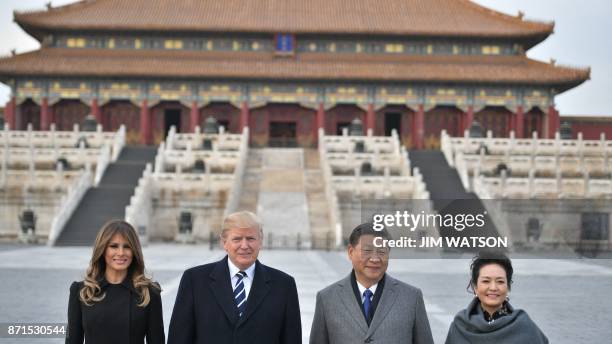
(107,200)
(447,192)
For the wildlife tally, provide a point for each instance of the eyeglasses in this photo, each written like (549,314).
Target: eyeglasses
(371,253)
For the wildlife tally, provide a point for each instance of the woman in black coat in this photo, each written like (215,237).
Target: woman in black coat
(116,303)
(490,318)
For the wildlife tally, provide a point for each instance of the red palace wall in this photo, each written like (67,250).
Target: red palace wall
(534,122)
(439,118)
(496,119)
(407,122)
(112,114)
(305,120)
(115,113)
(158,123)
(591,127)
(67,112)
(340,116)
(226,114)
(28,112)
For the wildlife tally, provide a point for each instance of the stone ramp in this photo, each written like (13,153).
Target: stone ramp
(318,207)
(251,180)
(283,206)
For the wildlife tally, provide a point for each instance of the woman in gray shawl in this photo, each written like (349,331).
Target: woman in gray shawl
(490,318)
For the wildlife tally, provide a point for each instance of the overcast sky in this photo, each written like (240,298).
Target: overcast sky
(579,40)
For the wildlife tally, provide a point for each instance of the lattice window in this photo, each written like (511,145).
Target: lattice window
(174,44)
(76,43)
(491,50)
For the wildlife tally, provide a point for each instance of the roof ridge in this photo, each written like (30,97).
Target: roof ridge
(562,66)
(49,8)
(508,17)
(391,17)
(58,64)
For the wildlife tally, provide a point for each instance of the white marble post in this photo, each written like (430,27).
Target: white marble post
(531,183)
(59,174)
(357,186)
(559,178)
(504,176)
(586,177)
(207,176)
(387,182)
(606,157)
(581,148)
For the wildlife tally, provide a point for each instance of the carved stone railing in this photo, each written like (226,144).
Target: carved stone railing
(527,146)
(342,160)
(69,204)
(548,188)
(223,141)
(102,163)
(330,193)
(56,139)
(118,143)
(372,144)
(140,210)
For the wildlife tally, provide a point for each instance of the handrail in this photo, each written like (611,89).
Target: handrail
(139,211)
(118,142)
(102,164)
(231,205)
(69,204)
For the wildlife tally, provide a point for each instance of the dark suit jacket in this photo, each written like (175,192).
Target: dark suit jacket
(205,311)
(115,319)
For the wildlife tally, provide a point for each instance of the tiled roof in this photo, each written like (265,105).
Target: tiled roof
(456,18)
(304,66)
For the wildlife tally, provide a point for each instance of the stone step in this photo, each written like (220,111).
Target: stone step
(312,159)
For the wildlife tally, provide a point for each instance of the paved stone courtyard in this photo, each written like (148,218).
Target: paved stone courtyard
(568,299)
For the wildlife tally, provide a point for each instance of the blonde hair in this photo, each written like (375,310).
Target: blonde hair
(91,291)
(241,219)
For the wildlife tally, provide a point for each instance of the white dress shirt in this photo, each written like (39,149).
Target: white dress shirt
(362,289)
(247,281)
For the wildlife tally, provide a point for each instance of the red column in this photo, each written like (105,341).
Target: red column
(538,117)
(45,115)
(194,116)
(321,116)
(244,116)
(9,113)
(145,123)
(95,110)
(509,122)
(553,121)
(370,118)
(520,116)
(469,118)
(419,128)
(52,117)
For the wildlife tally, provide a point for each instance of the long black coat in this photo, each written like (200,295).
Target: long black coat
(205,311)
(116,319)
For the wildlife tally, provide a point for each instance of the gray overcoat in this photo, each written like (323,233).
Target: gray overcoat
(400,316)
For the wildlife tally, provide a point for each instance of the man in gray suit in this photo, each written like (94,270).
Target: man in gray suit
(369,306)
